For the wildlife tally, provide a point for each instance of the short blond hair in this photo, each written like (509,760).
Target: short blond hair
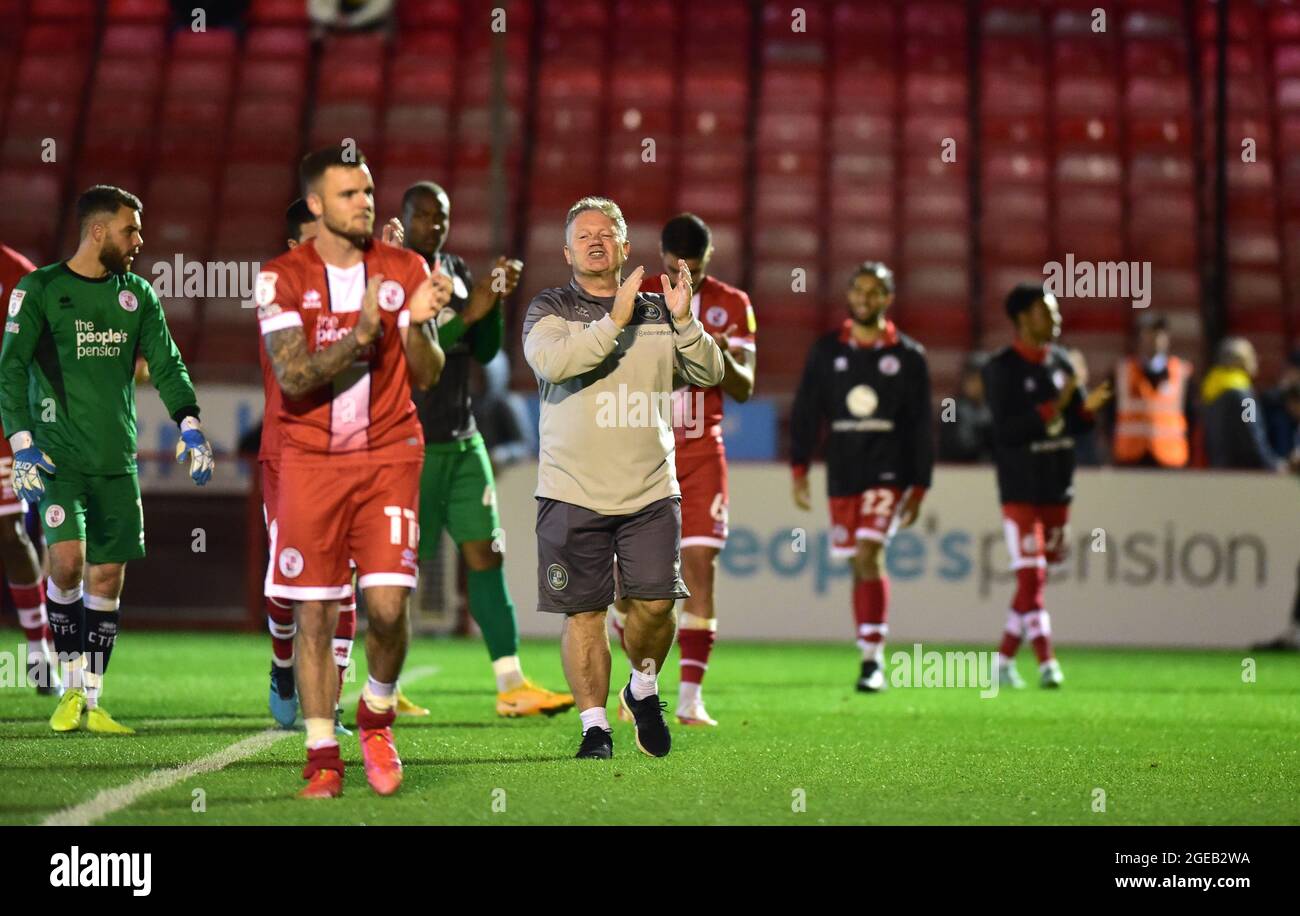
(604,205)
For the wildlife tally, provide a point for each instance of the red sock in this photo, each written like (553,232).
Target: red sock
(279,618)
(696,646)
(323,758)
(618,628)
(1011,638)
(870,612)
(344,635)
(1028,603)
(1038,629)
(29,602)
(368,718)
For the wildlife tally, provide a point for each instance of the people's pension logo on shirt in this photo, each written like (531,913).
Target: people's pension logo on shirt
(127,300)
(391,295)
(92,342)
(862,400)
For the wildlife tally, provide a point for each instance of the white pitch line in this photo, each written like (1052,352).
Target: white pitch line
(110,801)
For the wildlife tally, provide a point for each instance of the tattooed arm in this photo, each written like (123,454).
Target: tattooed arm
(300,372)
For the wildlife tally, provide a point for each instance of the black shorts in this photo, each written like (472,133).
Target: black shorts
(577,550)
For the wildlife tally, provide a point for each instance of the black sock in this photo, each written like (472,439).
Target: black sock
(101,634)
(68,626)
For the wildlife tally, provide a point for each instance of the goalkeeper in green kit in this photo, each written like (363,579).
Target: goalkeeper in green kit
(67,400)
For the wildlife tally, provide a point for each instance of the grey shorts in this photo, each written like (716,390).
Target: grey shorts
(577,550)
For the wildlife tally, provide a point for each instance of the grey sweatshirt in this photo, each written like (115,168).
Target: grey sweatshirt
(606,438)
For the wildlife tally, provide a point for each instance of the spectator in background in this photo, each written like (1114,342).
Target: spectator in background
(1153,404)
(967,438)
(349,14)
(1087,453)
(1281,420)
(1234,428)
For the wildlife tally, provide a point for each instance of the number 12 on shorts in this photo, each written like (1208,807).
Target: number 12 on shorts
(395,514)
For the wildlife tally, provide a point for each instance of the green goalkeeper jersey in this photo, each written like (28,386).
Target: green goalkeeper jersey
(67,366)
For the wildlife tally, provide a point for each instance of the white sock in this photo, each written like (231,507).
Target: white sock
(644,685)
(508,673)
(380,689)
(594,718)
(687,694)
(94,683)
(1005,661)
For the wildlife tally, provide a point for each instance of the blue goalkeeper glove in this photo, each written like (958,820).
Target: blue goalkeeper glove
(197,448)
(29,461)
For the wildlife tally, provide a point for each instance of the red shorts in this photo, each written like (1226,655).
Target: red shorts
(1037,534)
(871,515)
(331,510)
(10,504)
(703,479)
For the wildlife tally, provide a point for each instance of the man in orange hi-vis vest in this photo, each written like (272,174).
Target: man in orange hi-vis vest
(1152,391)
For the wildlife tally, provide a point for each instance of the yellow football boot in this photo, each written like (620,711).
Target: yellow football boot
(530,700)
(67,715)
(405,707)
(101,723)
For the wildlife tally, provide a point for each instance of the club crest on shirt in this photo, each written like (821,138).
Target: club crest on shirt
(841,363)
(1059,379)
(1029,384)
(16,302)
(127,300)
(557,576)
(311,299)
(264,288)
(650,312)
(716,315)
(391,295)
(862,400)
(889,364)
(290,563)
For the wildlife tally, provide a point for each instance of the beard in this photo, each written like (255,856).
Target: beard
(357,238)
(113,258)
(870,319)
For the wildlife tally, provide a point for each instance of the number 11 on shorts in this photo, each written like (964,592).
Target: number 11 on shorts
(395,513)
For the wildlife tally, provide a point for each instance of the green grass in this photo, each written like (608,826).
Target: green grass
(1171,737)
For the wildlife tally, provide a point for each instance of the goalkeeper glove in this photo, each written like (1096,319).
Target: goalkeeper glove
(28,462)
(196,446)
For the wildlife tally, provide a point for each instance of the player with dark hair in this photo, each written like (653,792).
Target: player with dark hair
(457,489)
(872,384)
(301,225)
(22,565)
(345,319)
(1038,408)
(67,397)
(701,458)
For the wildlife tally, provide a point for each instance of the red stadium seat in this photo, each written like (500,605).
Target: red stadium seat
(277,12)
(217,44)
(153,12)
(429,14)
(135,41)
(277,43)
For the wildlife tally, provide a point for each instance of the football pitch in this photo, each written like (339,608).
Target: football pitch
(1134,737)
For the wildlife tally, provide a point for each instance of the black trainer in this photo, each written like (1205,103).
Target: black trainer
(651,730)
(872,678)
(597,744)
